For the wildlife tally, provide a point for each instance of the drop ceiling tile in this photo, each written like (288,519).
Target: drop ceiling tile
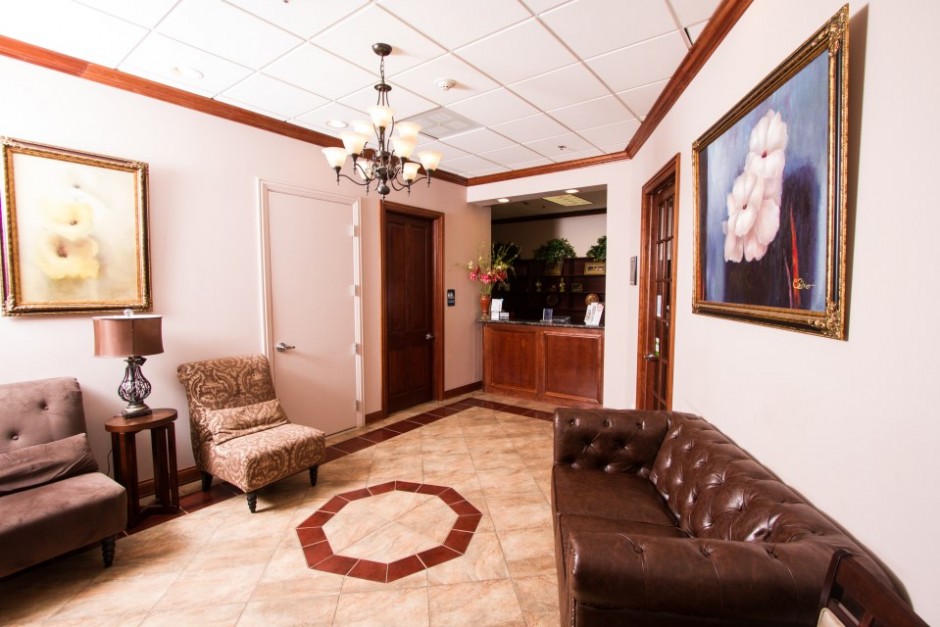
(352,40)
(471,164)
(559,147)
(560,88)
(442,122)
(533,164)
(593,27)
(320,72)
(641,99)
(531,128)
(518,52)
(157,56)
(73,29)
(538,6)
(477,141)
(573,156)
(317,119)
(692,11)
(305,18)
(496,169)
(511,155)
(604,110)
(227,31)
(695,30)
(146,14)
(493,107)
(263,92)
(460,22)
(642,63)
(423,79)
(405,103)
(617,134)
(450,153)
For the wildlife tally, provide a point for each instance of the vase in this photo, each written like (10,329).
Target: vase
(485,300)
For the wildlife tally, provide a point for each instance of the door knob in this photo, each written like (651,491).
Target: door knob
(429,336)
(650,356)
(281,347)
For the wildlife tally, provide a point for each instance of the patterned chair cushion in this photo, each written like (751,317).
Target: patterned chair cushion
(234,422)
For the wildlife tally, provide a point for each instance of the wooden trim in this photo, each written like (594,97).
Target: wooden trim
(437,282)
(575,164)
(668,171)
(376,416)
(552,216)
(724,18)
(463,389)
(184,476)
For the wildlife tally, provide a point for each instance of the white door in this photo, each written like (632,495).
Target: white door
(310,251)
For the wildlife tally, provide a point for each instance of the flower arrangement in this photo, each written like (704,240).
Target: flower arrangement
(492,265)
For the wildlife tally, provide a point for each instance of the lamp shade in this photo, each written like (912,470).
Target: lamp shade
(123,336)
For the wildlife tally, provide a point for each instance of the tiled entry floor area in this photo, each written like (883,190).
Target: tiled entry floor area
(221,565)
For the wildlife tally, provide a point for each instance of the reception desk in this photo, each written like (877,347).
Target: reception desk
(561,363)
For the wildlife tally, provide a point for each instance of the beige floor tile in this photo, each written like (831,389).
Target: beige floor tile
(388,544)
(482,561)
(309,612)
(229,585)
(519,512)
(115,597)
(416,580)
(538,597)
(202,615)
(529,552)
(389,607)
(479,603)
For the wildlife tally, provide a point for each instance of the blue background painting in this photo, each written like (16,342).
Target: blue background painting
(803,103)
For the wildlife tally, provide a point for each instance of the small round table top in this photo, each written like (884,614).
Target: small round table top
(156,418)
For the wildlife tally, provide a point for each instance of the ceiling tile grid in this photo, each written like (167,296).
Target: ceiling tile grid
(529,75)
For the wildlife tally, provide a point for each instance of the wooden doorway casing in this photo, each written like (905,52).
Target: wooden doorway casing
(436,221)
(657,371)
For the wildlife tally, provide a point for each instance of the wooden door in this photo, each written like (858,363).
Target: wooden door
(657,290)
(312,308)
(412,253)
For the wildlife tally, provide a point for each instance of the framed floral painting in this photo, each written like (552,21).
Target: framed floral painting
(770,196)
(75,231)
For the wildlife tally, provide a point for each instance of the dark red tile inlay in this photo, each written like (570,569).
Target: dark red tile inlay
(437,555)
(312,535)
(367,569)
(404,567)
(458,540)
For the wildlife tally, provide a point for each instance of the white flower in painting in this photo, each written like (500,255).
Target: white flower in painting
(754,201)
(753,220)
(63,258)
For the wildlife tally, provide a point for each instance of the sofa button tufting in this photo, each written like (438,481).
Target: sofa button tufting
(15,437)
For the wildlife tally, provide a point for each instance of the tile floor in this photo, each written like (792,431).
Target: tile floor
(217,564)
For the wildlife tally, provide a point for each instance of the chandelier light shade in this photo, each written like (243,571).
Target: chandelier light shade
(131,337)
(388,165)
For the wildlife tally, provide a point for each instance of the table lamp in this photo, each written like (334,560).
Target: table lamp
(131,337)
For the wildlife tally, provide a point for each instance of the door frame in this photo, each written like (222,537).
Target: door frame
(265,189)
(437,294)
(669,171)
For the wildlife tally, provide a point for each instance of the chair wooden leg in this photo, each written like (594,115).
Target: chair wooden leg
(313,474)
(252,501)
(107,551)
(206,481)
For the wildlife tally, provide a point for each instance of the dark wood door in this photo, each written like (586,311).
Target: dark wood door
(657,291)
(410,332)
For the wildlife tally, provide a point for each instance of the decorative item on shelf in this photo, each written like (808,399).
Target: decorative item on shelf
(577,287)
(389,163)
(553,253)
(131,337)
(491,267)
(538,285)
(561,285)
(598,256)
(591,298)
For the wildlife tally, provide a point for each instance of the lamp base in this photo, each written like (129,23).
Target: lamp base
(135,410)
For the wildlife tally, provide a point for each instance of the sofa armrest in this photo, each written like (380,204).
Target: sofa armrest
(697,577)
(614,440)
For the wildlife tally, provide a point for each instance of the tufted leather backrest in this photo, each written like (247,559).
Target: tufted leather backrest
(716,490)
(221,384)
(37,412)
(588,439)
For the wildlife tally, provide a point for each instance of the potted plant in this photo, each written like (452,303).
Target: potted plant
(553,253)
(598,256)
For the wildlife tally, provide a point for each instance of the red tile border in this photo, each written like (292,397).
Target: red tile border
(311,535)
(467,523)
(380,435)
(427,488)
(353,444)
(464,508)
(407,486)
(318,519)
(382,489)
(334,504)
(337,564)
(437,555)
(458,540)
(404,567)
(316,553)
(372,571)
(404,426)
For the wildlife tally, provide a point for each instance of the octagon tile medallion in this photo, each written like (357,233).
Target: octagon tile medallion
(385,532)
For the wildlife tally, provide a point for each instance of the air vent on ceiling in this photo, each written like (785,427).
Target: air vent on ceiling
(440,123)
(567,200)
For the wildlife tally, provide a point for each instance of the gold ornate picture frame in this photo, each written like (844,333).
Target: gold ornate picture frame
(770,195)
(75,231)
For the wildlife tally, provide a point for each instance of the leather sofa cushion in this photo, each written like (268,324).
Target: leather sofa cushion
(38,465)
(614,496)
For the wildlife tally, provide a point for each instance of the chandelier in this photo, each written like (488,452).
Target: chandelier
(388,165)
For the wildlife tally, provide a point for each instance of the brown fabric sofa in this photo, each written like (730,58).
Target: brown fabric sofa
(660,519)
(52,499)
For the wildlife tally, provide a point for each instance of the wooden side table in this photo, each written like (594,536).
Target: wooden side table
(163,444)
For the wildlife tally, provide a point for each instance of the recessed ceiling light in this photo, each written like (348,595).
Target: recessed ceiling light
(336,124)
(572,191)
(503,200)
(184,71)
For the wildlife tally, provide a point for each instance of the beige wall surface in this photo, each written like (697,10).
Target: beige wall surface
(205,243)
(849,424)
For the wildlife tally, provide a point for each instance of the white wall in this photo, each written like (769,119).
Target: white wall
(581,231)
(850,424)
(204,242)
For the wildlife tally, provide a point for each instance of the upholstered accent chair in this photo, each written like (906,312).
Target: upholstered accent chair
(239,432)
(52,498)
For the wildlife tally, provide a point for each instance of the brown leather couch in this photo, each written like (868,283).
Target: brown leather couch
(52,499)
(660,519)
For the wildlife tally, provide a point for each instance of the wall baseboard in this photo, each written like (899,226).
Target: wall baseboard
(375,416)
(183,475)
(464,389)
